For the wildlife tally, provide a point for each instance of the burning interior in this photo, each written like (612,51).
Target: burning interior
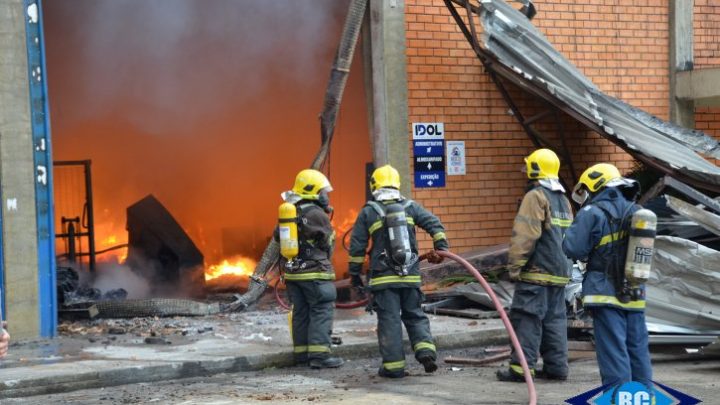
(175,130)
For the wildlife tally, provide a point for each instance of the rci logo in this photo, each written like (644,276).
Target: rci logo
(633,393)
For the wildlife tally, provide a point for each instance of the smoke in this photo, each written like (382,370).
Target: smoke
(111,276)
(211,106)
(155,54)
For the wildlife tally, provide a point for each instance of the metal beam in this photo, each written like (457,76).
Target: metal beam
(42,157)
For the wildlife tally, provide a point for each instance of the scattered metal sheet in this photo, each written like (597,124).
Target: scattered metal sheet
(489,259)
(160,249)
(514,49)
(472,313)
(682,340)
(705,219)
(684,286)
(478,362)
(155,307)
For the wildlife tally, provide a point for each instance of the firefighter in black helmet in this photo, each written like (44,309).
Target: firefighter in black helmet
(309,275)
(394,276)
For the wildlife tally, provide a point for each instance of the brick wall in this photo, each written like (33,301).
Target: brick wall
(621,46)
(706,32)
(706,53)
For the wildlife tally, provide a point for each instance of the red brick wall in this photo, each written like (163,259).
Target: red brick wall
(622,47)
(706,49)
(706,32)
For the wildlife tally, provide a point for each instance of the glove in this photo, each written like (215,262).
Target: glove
(514,273)
(357,282)
(434,258)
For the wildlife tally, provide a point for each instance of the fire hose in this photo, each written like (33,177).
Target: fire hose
(498,306)
(506,321)
(339,305)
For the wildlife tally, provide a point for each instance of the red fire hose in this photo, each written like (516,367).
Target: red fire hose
(511,332)
(506,321)
(340,305)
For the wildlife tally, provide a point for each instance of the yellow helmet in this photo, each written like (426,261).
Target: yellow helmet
(542,164)
(309,183)
(593,179)
(385,176)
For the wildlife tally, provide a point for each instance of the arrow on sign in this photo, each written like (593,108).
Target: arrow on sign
(429,149)
(429,166)
(430,183)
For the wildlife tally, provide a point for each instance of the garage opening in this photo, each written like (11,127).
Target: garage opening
(200,111)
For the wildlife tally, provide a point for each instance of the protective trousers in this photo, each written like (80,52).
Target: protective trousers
(538,316)
(621,345)
(393,306)
(313,305)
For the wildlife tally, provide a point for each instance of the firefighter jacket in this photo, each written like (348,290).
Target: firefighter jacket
(594,239)
(316,240)
(369,224)
(535,254)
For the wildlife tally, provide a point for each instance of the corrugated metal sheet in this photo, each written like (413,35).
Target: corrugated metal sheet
(511,39)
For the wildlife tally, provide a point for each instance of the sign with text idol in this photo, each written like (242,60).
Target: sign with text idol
(429,154)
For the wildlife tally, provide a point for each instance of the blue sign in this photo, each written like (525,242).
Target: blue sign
(428,148)
(429,154)
(633,393)
(429,163)
(429,179)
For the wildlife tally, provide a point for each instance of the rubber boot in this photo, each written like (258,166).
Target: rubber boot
(328,362)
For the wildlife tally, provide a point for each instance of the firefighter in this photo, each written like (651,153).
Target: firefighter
(309,275)
(540,270)
(599,236)
(394,276)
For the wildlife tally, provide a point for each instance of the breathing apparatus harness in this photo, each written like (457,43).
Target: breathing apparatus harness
(291,221)
(630,259)
(398,254)
(615,263)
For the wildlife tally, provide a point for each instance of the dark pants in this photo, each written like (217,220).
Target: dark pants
(395,307)
(313,305)
(621,344)
(539,319)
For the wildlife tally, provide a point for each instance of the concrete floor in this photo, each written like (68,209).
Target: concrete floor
(356,383)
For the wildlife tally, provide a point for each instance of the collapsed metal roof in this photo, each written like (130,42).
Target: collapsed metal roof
(517,51)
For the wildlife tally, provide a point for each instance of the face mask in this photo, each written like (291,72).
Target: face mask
(580,194)
(324,201)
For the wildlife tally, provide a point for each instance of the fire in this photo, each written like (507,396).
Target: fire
(346,224)
(110,246)
(237,266)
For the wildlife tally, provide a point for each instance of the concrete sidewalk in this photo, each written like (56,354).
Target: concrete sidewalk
(219,344)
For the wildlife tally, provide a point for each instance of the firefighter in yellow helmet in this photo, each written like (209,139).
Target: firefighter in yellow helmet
(541,271)
(599,236)
(393,275)
(309,275)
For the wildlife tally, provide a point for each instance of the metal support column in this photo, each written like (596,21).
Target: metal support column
(42,158)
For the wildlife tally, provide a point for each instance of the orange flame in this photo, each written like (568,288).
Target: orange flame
(347,223)
(237,266)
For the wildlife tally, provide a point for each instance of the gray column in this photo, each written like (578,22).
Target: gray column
(386,86)
(682,111)
(17,191)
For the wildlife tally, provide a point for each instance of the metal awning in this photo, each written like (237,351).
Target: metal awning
(513,49)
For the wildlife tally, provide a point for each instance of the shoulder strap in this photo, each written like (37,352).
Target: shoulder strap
(379,208)
(407,203)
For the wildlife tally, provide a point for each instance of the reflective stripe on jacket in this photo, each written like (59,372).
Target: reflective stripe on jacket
(590,238)
(535,254)
(369,224)
(316,239)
